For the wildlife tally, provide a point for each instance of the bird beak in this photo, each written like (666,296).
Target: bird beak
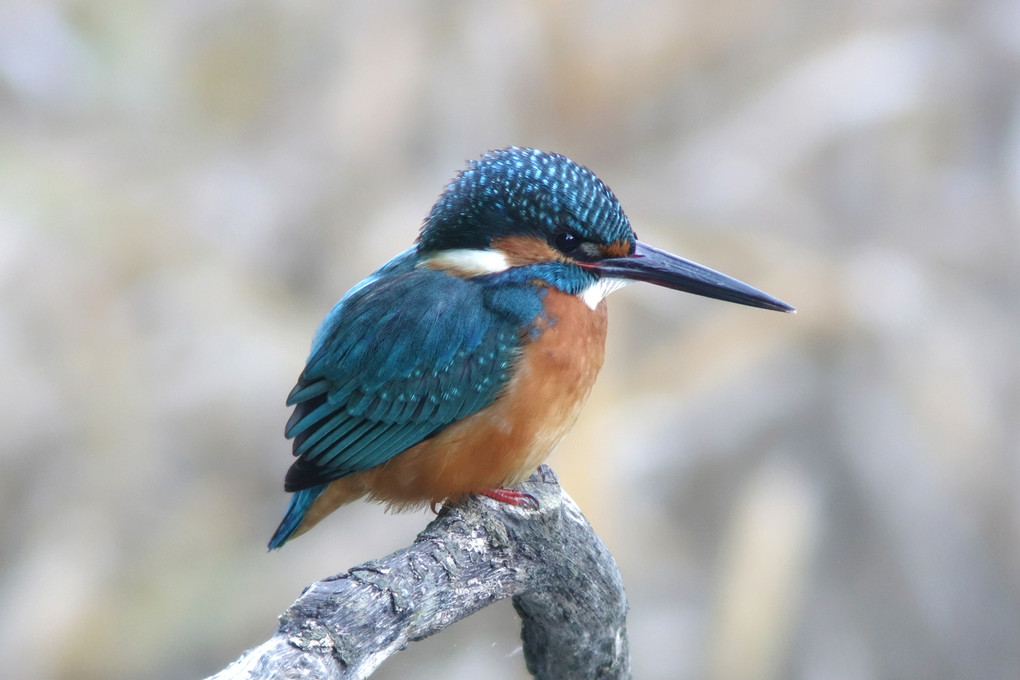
(668,270)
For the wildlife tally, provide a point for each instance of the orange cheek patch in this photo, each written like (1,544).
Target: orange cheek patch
(616,249)
(525,250)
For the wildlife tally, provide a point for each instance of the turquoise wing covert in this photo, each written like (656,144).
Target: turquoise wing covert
(399,358)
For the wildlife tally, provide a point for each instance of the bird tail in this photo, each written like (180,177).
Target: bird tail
(299,504)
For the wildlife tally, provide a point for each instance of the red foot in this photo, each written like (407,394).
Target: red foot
(512,497)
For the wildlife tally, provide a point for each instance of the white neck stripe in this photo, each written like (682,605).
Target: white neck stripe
(468,261)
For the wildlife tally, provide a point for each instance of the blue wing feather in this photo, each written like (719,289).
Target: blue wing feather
(401,356)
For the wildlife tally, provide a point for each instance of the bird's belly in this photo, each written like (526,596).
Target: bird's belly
(502,444)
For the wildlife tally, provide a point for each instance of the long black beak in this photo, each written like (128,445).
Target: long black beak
(668,270)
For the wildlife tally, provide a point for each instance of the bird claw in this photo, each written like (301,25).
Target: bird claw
(512,497)
(547,475)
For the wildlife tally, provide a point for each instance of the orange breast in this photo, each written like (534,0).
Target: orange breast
(502,444)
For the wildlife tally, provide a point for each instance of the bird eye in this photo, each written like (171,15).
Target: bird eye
(566,241)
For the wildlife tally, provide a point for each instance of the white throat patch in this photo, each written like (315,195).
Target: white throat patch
(596,292)
(468,261)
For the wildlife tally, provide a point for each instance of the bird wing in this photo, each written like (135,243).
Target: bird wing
(398,359)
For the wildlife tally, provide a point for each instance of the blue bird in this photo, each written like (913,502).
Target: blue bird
(458,366)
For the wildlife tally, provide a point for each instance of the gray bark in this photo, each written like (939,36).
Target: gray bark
(564,583)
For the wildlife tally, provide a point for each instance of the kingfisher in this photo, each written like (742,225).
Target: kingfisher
(459,365)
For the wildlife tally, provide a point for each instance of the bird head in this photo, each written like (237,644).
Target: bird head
(541,215)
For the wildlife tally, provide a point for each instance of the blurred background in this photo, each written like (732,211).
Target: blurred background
(187,187)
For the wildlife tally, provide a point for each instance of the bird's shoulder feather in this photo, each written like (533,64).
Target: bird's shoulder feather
(404,354)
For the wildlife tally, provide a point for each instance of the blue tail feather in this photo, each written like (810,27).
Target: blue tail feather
(299,504)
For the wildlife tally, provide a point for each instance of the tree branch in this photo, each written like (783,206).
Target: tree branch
(564,583)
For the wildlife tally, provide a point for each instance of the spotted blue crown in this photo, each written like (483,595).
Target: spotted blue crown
(523,192)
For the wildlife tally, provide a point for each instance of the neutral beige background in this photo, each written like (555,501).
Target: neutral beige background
(187,187)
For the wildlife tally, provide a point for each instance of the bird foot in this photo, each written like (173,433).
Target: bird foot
(548,476)
(512,497)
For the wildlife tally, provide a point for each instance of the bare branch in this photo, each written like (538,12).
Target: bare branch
(564,583)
